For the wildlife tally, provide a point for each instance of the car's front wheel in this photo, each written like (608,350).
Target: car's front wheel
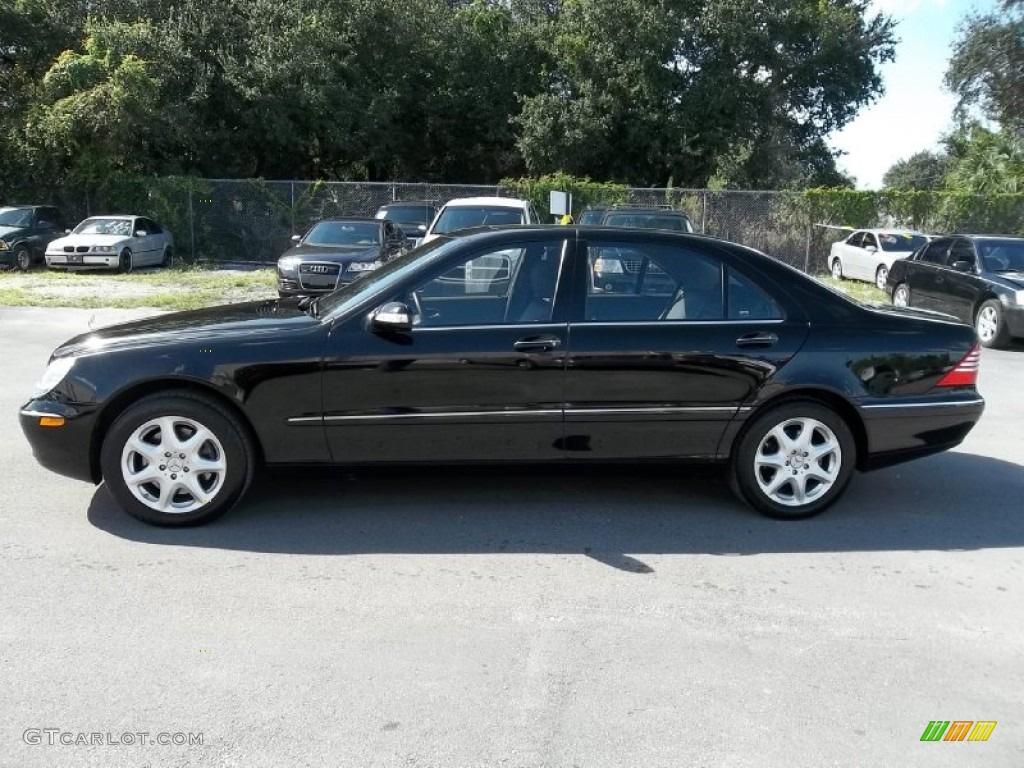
(23,258)
(901,295)
(124,261)
(881,276)
(177,459)
(794,460)
(991,326)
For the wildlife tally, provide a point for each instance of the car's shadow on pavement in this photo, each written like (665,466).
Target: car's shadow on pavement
(948,502)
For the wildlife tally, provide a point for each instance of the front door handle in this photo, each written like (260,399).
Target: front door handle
(537,344)
(757,340)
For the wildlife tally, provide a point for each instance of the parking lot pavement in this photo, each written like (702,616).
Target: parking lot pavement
(514,618)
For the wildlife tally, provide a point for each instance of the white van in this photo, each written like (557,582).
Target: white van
(465,212)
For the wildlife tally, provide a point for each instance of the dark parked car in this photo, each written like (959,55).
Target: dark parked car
(637,217)
(335,252)
(25,231)
(977,278)
(412,217)
(495,347)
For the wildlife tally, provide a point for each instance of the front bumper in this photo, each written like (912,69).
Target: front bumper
(1014,317)
(64,260)
(66,450)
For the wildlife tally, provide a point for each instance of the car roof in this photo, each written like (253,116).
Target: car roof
(114,216)
(645,211)
(503,202)
(890,231)
(417,203)
(339,219)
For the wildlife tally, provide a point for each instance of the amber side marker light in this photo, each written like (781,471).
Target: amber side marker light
(51,421)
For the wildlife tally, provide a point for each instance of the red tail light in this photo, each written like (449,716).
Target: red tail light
(966,372)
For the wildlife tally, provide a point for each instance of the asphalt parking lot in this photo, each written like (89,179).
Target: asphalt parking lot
(513,618)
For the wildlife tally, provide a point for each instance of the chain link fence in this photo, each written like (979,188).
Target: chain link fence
(251,221)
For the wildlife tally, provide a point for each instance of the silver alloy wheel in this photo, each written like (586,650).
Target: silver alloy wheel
(881,276)
(797,462)
(173,464)
(23,259)
(837,269)
(900,297)
(987,324)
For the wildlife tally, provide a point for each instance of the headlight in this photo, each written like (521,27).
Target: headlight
(52,376)
(288,265)
(103,249)
(1018,296)
(363,266)
(3,245)
(608,266)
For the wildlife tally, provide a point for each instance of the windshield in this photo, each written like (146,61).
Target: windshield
(463,217)
(1002,255)
(648,221)
(901,241)
(122,227)
(15,217)
(343,233)
(408,215)
(591,217)
(351,295)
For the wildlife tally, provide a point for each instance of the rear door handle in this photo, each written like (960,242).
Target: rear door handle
(537,344)
(749,340)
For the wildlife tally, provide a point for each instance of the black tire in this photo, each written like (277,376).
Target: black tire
(823,424)
(836,268)
(903,289)
(229,444)
(990,325)
(167,257)
(124,261)
(23,258)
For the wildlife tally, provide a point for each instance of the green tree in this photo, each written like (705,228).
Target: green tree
(987,65)
(644,92)
(920,172)
(984,161)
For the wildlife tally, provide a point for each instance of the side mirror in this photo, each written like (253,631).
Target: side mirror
(422,227)
(870,249)
(296,238)
(393,316)
(67,231)
(45,224)
(140,233)
(963,266)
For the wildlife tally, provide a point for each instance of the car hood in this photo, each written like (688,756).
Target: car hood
(8,231)
(1012,280)
(333,253)
(90,240)
(253,320)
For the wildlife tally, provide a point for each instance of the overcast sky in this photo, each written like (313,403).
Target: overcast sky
(915,110)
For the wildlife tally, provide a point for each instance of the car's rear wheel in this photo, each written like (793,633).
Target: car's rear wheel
(124,261)
(837,269)
(794,460)
(177,459)
(23,258)
(901,295)
(881,275)
(991,325)
(168,256)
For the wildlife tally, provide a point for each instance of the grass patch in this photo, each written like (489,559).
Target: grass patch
(177,288)
(866,292)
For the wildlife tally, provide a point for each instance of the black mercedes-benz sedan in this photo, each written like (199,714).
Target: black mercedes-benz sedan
(499,346)
(335,252)
(977,278)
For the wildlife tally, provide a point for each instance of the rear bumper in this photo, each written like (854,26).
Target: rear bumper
(898,432)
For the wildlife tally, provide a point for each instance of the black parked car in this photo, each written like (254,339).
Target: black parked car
(495,346)
(413,217)
(978,278)
(335,252)
(25,231)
